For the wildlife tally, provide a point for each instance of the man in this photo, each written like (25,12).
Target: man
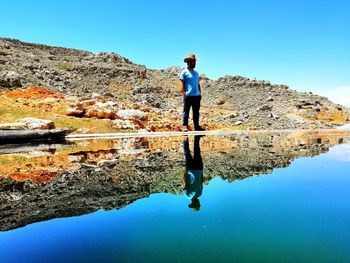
(191,92)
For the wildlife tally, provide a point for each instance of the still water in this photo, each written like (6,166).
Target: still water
(242,198)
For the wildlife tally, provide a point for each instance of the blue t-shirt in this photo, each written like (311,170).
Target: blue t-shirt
(194,184)
(191,78)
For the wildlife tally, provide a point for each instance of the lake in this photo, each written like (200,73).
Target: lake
(245,197)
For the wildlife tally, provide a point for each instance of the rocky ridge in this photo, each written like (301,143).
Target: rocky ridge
(228,101)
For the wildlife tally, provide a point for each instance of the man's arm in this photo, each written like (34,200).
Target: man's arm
(199,86)
(182,87)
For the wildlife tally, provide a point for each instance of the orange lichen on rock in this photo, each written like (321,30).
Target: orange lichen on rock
(33,93)
(331,116)
(37,176)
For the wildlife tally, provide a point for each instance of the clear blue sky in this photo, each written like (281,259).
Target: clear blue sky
(302,43)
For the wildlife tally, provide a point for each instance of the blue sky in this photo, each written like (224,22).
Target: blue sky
(304,44)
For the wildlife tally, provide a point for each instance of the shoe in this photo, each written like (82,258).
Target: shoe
(199,128)
(184,128)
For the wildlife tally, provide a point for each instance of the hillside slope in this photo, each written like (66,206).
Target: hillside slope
(227,102)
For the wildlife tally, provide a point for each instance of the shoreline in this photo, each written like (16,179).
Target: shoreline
(96,136)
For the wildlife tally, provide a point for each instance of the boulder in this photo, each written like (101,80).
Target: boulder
(10,79)
(221,100)
(75,111)
(101,113)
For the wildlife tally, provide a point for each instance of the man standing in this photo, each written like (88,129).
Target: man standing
(191,92)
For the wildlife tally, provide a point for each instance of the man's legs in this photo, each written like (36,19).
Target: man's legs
(187,153)
(197,157)
(195,109)
(186,110)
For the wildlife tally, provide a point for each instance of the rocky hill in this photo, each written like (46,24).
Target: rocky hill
(227,102)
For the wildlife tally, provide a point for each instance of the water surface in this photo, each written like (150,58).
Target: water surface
(261,198)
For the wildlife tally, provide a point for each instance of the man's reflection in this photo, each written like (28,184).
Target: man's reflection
(193,177)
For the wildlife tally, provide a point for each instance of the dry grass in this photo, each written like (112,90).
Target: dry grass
(14,109)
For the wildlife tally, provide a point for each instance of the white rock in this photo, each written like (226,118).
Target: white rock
(123,124)
(35,123)
(74,111)
(128,114)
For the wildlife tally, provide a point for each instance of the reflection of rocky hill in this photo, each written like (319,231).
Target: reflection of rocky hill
(262,154)
(117,182)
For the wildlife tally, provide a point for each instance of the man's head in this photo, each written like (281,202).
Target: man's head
(191,61)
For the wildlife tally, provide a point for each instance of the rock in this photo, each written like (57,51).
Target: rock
(129,114)
(98,97)
(237,123)
(101,113)
(124,124)
(75,111)
(152,99)
(10,79)
(76,158)
(87,103)
(220,101)
(35,123)
(108,94)
(146,88)
(14,126)
(311,115)
(112,57)
(92,108)
(265,108)
(232,115)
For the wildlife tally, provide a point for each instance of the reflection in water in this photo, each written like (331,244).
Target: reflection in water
(92,175)
(193,177)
